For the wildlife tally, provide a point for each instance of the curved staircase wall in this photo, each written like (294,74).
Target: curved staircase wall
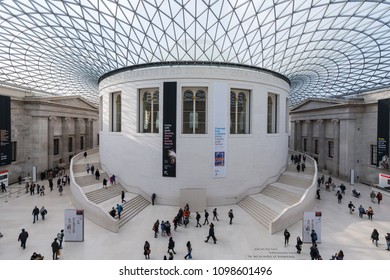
(92,211)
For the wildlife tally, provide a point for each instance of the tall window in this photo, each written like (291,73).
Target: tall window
(116,112)
(56,146)
(194,110)
(272,113)
(149,109)
(316,146)
(14,150)
(330,149)
(373,156)
(239,111)
(70,144)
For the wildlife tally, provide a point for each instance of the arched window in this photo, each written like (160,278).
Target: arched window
(116,112)
(149,110)
(272,113)
(194,111)
(239,111)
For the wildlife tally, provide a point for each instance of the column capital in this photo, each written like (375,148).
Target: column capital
(52,118)
(334,121)
(308,121)
(66,119)
(78,119)
(320,121)
(297,121)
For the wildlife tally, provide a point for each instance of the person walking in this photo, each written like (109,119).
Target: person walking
(23,238)
(370,213)
(189,251)
(206,217)
(379,197)
(147,250)
(339,197)
(55,247)
(231,216)
(123,197)
(60,237)
(299,245)
(43,212)
(351,207)
(211,234)
(286,237)
(97,174)
(104,183)
(362,211)
(372,196)
(153,198)
(215,214)
(375,237)
(198,219)
(119,210)
(171,245)
(35,214)
(85,154)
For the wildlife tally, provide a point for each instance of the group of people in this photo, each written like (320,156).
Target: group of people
(300,161)
(94,171)
(183,218)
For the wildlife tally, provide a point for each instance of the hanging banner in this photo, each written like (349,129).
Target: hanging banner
(169,129)
(311,221)
(383,133)
(74,225)
(5,130)
(220,115)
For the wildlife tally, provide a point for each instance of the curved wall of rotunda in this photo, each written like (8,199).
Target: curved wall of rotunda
(214,131)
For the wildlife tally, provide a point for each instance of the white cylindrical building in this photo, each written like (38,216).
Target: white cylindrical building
(213,132)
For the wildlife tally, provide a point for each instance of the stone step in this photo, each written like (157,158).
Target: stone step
(102,195)
(282,195)
(131,208)
(260,212)
(295,180)
(78,168)
(88,179)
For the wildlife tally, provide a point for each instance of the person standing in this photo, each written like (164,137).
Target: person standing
(215,214)
(55,247)
(314,237)
(387,237)
(60,237)
(299,245)
(119,210)
(211,234)
(43,212)
(104,183)
(147,250)
(23,238)
(206,217)
(198,219)
(155,228)
(171,245)
(123,197)
(286,237)
(189,250)
(231,216)
(35,214)
(372,196)
(375,237)
(362,211)
(97,174)
(153,198)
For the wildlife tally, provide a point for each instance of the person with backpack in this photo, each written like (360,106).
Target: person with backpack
(119,210)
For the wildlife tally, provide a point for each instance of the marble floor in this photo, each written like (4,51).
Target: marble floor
(245,239)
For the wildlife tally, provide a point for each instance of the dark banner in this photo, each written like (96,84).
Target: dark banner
(5,130)
(169,129)
(383,133)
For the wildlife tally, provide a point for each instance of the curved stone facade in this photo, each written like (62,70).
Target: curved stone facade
(218,131)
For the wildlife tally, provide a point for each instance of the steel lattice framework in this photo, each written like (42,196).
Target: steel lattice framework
(326,48)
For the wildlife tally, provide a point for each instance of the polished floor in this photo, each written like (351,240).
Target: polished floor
(245,239)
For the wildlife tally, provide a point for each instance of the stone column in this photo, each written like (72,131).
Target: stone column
(50,140)
(88,140)
(309,141)
(65,140)
(292,135)
(321,145)
(299,136)
(336,147)
(91,136)
(77,135)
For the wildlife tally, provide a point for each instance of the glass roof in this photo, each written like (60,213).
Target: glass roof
(326,48)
